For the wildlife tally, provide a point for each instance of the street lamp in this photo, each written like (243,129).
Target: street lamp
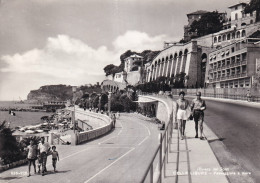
(99,102)
(109,102)
(74,88)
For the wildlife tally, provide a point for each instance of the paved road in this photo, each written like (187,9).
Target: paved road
(121,156)
(237,126)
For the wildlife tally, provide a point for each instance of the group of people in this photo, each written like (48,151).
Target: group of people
(194,110)
(40,153)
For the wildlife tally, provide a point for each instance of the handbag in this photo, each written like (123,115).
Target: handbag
(191,117)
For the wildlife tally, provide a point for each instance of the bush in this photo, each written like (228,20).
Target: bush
(10,150)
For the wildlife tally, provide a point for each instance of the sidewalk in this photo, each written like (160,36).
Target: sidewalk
(191,160)
(241,102)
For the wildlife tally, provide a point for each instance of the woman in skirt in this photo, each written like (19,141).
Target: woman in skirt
(182,112)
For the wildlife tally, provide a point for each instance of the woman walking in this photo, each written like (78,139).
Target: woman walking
(32,152)
(182,114)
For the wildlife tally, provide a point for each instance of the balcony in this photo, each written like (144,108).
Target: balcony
(229,77)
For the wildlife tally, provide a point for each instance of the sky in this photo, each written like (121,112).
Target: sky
(44,42)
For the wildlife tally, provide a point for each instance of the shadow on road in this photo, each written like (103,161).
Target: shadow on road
(10,178)
(57,172)
(219,139)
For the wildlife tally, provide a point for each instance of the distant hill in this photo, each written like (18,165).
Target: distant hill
(51,93)
(60,92)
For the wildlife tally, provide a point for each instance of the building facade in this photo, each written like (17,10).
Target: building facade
(131,75)
(176,59)
(234,65)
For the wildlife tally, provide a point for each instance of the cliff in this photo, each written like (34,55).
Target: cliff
(51,93)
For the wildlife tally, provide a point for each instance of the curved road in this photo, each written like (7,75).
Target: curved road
(121,156)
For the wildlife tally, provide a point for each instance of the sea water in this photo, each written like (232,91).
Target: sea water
(22,118)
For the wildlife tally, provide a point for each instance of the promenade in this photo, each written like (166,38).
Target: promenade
(124,154)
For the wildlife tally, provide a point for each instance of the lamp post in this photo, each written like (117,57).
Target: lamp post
(109,102)
(74,110)
(99,102)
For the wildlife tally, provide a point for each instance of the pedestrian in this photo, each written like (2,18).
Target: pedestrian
(248,95)
(114,119)
(55,157)
(182,113)
(31,156)
(44,149)
(117,115)
(198,106)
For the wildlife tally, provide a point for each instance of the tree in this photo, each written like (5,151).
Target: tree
(9,147)
(108,69)
(209,23)
(254,5)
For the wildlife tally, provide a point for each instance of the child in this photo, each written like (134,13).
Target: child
(39,162)
(32,152)
(55,157)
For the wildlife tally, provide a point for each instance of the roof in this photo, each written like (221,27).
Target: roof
(237,5)
(198,12)
(135,56)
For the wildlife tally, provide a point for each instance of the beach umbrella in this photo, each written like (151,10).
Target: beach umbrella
(39,131)
(29,131)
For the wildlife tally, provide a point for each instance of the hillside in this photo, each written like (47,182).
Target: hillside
(51,93)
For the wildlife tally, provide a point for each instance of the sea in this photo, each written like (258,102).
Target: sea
(22,118)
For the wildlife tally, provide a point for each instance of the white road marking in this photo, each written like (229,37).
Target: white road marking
(114,136)
(109,165)
(149,133)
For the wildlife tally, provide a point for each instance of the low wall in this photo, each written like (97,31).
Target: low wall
(165,108)
(85,136)
(229,93)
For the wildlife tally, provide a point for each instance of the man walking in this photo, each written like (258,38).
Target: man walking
(197,107)
(44,148)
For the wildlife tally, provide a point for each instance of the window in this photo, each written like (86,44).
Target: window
(243,33)
(236,16)
(219,39)
(238,34)
(224,37)
(232,49)
(233,35)
(215,39)
(228,37)
(251,21)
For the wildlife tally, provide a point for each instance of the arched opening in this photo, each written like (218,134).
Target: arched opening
(215,39)
(243,33)
(233,35)
(219,38)
(251,21)
(184,60)
(224,37)
(243,24)
(228,37)
(238,34)
(204,58)
(162,66)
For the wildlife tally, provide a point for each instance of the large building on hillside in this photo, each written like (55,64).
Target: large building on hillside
(234,65)
(192,58)
(191,18)
(131,75)
(179,58)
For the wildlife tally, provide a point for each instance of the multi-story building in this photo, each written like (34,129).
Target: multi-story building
(233,65)
(132,61)
(238,18)
(191,18)
(130,76)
